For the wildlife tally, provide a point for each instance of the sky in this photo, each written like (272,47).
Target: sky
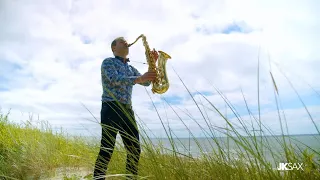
(51,52)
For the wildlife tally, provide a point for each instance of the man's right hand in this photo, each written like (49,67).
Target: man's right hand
(148,76)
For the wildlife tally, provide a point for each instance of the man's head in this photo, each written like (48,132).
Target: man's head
(119,47)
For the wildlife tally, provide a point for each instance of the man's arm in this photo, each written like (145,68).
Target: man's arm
(110,72)
(138,80)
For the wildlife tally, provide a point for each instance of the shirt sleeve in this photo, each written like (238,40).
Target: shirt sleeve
(137,74)
(111,74)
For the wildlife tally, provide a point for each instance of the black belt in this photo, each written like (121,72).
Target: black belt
(128,106)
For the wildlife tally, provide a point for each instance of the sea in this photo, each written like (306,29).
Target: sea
(272,149)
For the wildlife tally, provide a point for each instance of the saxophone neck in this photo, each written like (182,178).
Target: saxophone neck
(141,36)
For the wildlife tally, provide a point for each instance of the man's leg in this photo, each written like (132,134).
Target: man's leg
(130,136)
(108,139)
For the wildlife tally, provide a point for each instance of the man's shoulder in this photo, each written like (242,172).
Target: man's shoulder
(107,60)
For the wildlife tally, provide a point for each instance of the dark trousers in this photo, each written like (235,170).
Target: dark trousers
(114,120)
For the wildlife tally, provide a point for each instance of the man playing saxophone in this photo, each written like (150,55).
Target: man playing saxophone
(118,78)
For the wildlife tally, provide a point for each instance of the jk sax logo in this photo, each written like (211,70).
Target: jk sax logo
(290,166)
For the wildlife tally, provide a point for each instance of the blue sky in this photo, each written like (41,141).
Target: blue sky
(50,57)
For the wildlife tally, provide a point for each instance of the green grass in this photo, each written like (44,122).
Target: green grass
(27,152)
(30,153)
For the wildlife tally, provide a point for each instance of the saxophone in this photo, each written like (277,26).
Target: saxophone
(161,84)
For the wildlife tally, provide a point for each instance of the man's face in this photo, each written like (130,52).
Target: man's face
(122,47)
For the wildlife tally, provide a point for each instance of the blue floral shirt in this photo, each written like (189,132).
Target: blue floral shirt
(118,79)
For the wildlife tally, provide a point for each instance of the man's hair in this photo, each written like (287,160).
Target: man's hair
(114,42)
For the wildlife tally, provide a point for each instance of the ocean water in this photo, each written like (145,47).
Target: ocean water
(272,146)
(272,151)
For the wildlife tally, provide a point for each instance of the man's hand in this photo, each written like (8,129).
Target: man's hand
(148,76)
(154,54)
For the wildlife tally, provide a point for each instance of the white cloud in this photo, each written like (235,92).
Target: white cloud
(59,71)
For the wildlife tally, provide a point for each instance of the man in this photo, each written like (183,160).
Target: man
(118,78)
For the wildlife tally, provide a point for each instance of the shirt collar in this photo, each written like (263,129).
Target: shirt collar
(121,58)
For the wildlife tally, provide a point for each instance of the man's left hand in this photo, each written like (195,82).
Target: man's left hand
(154,54)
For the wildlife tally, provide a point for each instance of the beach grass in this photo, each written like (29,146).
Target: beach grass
(37,152)
(27,152)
